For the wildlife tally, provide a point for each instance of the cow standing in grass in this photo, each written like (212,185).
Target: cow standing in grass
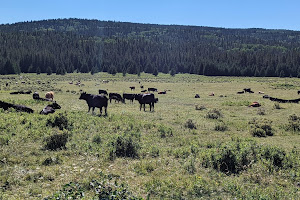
(93,101)
(144,99)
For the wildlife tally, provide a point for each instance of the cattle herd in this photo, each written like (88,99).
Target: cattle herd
(100,100)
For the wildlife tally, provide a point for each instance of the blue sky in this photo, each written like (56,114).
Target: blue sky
(270,14)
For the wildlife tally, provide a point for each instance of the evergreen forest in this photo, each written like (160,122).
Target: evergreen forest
(89,46)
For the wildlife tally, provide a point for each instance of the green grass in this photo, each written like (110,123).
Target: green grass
(175,152)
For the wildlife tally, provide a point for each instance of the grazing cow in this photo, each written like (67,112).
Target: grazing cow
(152,90)
(254,104)
(21,108)
(49,95)
(142,87)
(129,97)
(144,91)
(212,94)
(144,99)
(105,81)
(50,108)
(242,92)
(260,92)
(163,92)
(298,91)
(116,97)
(197,96)
(103,92)
(132,88)
(93,101)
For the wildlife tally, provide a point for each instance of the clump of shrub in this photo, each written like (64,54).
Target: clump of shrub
(165,131)
(214,114)
(56,141)
(51,161)
(293,123)
(261,111)
(221,127)
(201,107)
(105,187)
(231,157)
(261,128)
(61,121)
(190,124)
(238,155)
(125,145)
(97,139)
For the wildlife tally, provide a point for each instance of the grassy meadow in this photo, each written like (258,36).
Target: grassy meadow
(212,147)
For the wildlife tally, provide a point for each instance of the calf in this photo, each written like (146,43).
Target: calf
(93,101)
(132,88)
(116,97)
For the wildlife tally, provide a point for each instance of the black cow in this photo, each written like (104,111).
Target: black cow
(103,92)
(242,92)
(116,97)
(142,87)
(152,90)
(21,108)
(129,97)
(93,101)
(197,96)
(144,99)
(144,91)
(298,91)
(21,92)
(50,108)
(132,88)
(248,90)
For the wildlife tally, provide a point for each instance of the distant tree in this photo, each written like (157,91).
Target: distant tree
(282,74)
(172,72)
(49,70)
(155,71)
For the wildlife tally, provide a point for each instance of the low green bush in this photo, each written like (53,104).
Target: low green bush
(125,145)
(214,114)
(56,141)
(190,124)
(261,128)
(61,121)
(293,123)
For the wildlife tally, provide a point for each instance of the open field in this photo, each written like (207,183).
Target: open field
(177,151)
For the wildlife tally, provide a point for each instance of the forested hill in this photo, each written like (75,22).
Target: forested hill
(67,45)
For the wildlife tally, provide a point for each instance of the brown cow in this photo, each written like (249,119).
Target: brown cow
(49,95)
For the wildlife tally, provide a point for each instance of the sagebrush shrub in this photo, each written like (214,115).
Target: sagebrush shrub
(293,123)
(221,127)
(125,145)
(61,121)
(214,114)
(261,128)
(56,141)
(190,124)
